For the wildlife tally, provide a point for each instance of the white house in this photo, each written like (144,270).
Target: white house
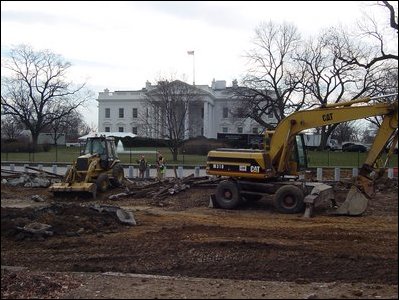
(121,110)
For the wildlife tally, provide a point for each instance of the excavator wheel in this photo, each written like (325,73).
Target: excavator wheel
(118,175)
(102,182)
(227,195)
(289,199)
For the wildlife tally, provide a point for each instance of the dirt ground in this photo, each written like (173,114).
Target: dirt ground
(181,248)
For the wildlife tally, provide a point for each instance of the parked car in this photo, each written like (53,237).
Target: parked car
(355,148)
(346,145)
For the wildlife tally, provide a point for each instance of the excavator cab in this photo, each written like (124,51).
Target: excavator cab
(299,155)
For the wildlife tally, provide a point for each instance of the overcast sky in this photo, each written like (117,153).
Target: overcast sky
(121,45)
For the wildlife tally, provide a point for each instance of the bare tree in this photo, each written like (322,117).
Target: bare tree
(167,112)
(10,128)
(71,125)
(332,80)
(373,30)
(393,15)
(347,131)
(273,81)
(36,92)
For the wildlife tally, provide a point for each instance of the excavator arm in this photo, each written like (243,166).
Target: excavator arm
(289,127)
(283,137)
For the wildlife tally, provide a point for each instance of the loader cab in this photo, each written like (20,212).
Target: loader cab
(95,145)
(104,147)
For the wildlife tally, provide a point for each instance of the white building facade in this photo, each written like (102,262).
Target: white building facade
(123,111)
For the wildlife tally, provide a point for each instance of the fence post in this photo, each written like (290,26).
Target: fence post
(40,167)
(12,167)
(196,171)
(355,172)
(319,174)
(337,173)
(180,171)
(55,169)
(25,167)
(131,169)
(390,173)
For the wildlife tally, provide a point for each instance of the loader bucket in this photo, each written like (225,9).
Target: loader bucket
(355,203)
(63,187)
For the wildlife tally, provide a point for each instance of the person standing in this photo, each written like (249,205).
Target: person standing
(142,166)
(160,166)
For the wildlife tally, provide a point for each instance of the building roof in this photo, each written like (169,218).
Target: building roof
(114,134)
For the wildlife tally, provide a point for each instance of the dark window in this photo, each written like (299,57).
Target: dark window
(255,130)
(134,130)
(120,129)
(107,129)
(121,113)
(225,112)
(108,113)
(239,130)
(134,112)
(225,129)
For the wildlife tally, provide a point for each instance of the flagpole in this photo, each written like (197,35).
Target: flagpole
(192,53)
(193,69)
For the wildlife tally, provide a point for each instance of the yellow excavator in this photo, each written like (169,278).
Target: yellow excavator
(276,169)
(96,169)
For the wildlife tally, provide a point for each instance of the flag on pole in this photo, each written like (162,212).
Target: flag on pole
(190,52)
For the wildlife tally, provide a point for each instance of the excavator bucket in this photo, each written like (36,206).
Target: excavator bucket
(64,187)
(355,203)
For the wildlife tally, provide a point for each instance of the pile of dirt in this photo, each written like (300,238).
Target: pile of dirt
(63,219)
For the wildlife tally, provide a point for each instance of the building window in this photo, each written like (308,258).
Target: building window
(134,112)
(120,129)
(225,112)
(108,113)
(255,130)
(202,112)
(134,130)
(107,129)
(239,130)
(121,113)
(225,129)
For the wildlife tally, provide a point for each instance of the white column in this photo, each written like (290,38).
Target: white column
(187,122)
(212,121)
(206,119)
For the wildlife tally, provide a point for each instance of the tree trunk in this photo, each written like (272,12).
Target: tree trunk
(35,137)
(174,154)
(324,138)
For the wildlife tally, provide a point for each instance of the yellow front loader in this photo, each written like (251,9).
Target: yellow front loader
(96,169)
